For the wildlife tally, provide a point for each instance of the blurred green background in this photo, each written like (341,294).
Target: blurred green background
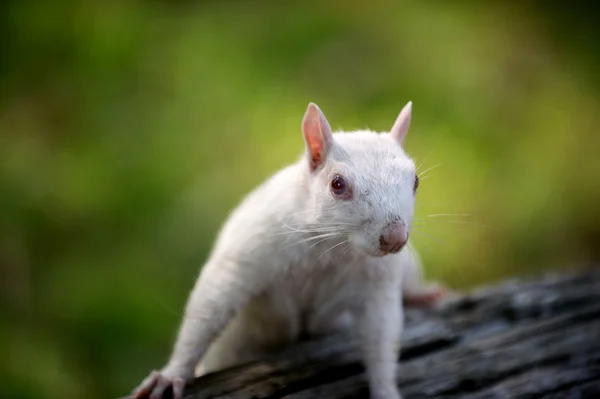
(129,129)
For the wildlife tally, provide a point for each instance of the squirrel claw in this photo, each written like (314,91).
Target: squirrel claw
(178,385)
(156,384)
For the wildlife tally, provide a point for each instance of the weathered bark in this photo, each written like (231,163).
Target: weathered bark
(529,339)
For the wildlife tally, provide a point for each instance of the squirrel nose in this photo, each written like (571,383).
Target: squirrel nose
(393,238)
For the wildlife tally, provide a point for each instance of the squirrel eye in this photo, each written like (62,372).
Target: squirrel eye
(416,184)
(338,185)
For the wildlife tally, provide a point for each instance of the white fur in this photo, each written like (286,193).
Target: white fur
(268,279)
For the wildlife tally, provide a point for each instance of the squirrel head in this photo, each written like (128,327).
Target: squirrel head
(361,182)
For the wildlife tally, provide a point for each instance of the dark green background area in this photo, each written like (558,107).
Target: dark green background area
(129,130)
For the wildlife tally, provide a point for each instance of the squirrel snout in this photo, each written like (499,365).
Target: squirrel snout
(393,238)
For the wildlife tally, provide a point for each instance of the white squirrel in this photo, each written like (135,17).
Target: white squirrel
(320,246)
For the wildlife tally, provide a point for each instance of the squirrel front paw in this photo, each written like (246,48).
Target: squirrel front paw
(390,393)
(154,386)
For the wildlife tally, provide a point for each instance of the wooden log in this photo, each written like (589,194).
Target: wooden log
(534,338)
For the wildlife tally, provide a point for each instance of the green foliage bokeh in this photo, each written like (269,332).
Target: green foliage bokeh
(129,130)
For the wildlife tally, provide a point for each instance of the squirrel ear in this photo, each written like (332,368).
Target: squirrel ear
(317,135)
(402,123)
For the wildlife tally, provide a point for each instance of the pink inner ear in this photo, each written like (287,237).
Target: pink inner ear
(317,135)
(400,128)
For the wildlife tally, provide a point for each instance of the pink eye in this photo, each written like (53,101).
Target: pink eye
(416,184)
(338,185)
